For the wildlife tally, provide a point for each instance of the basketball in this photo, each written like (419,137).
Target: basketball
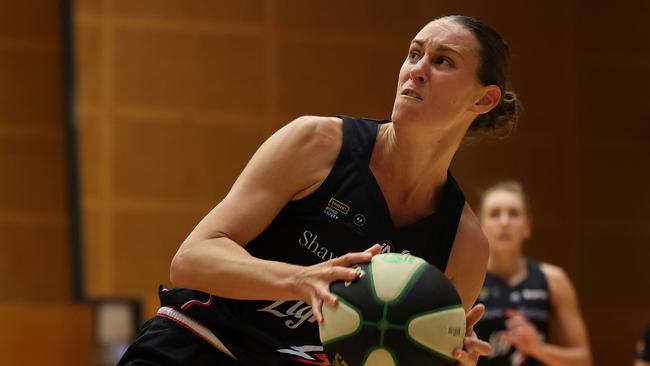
(400,311)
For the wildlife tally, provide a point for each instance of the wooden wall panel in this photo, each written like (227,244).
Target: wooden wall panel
(215,11)
(379,18)
(363,82)
(33,186)
(614,203)
(47,334)
(185,152)
(188,71)
(30,20)
(158,233)
(35,264)
(31,160)
(30,95)
(41,324)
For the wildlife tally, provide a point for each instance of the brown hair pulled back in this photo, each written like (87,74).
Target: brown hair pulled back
(493,70)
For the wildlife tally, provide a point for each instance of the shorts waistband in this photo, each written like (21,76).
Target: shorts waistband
(194,326)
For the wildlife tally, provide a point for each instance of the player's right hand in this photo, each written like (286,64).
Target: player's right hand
(312,283)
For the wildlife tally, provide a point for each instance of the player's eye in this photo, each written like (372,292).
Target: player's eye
(414,55)
(444,61)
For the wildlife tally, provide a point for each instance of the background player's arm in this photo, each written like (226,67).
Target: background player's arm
(213,259)
(569,343)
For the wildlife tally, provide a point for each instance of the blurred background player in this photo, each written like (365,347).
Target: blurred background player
(532,315)
(643,350)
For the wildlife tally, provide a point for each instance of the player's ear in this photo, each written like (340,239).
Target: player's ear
(528,229)
(487,100)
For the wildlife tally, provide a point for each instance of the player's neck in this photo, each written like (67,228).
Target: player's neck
(512,270)
(415,160)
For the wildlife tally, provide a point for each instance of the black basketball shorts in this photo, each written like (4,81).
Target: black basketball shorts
(163,342)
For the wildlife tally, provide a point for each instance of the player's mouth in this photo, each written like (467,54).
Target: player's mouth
(410,93)
(504,236)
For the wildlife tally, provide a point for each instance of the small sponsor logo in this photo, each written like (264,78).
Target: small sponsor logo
(335,208)
(359,220)
(338,205)
(386,246)
(305,354)
(534,294)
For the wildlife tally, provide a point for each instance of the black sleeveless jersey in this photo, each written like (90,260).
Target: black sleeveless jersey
(531,297)
(347,213)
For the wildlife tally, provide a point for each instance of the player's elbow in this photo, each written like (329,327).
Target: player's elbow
(179,270)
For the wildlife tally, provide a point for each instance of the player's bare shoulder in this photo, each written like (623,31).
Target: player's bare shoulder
(321,135)
(316,143)
(552,272)
(559,283)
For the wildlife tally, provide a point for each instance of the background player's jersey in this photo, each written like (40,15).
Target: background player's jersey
(531,296)
(347,213)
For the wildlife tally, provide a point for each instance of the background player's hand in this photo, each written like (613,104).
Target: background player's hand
(521,333)
(472,346)
(312,283)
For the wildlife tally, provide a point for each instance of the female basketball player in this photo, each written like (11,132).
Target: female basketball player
(319,193)
(532,315)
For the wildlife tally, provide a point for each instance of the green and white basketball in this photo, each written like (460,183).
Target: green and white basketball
(401,311)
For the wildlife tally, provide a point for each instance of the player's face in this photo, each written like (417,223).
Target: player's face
(438,81)
(504,221)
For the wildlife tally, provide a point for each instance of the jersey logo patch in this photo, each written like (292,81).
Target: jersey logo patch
(386,246)
(359,220)
(335,208)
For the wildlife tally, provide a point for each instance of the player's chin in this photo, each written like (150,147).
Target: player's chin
(405,113)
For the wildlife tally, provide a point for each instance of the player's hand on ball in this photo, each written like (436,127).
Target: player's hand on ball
(312,283)
(473,347)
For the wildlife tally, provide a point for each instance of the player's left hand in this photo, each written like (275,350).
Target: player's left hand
(473,347)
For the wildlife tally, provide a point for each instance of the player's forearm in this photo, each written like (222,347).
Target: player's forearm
(222,267)
(553,355)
